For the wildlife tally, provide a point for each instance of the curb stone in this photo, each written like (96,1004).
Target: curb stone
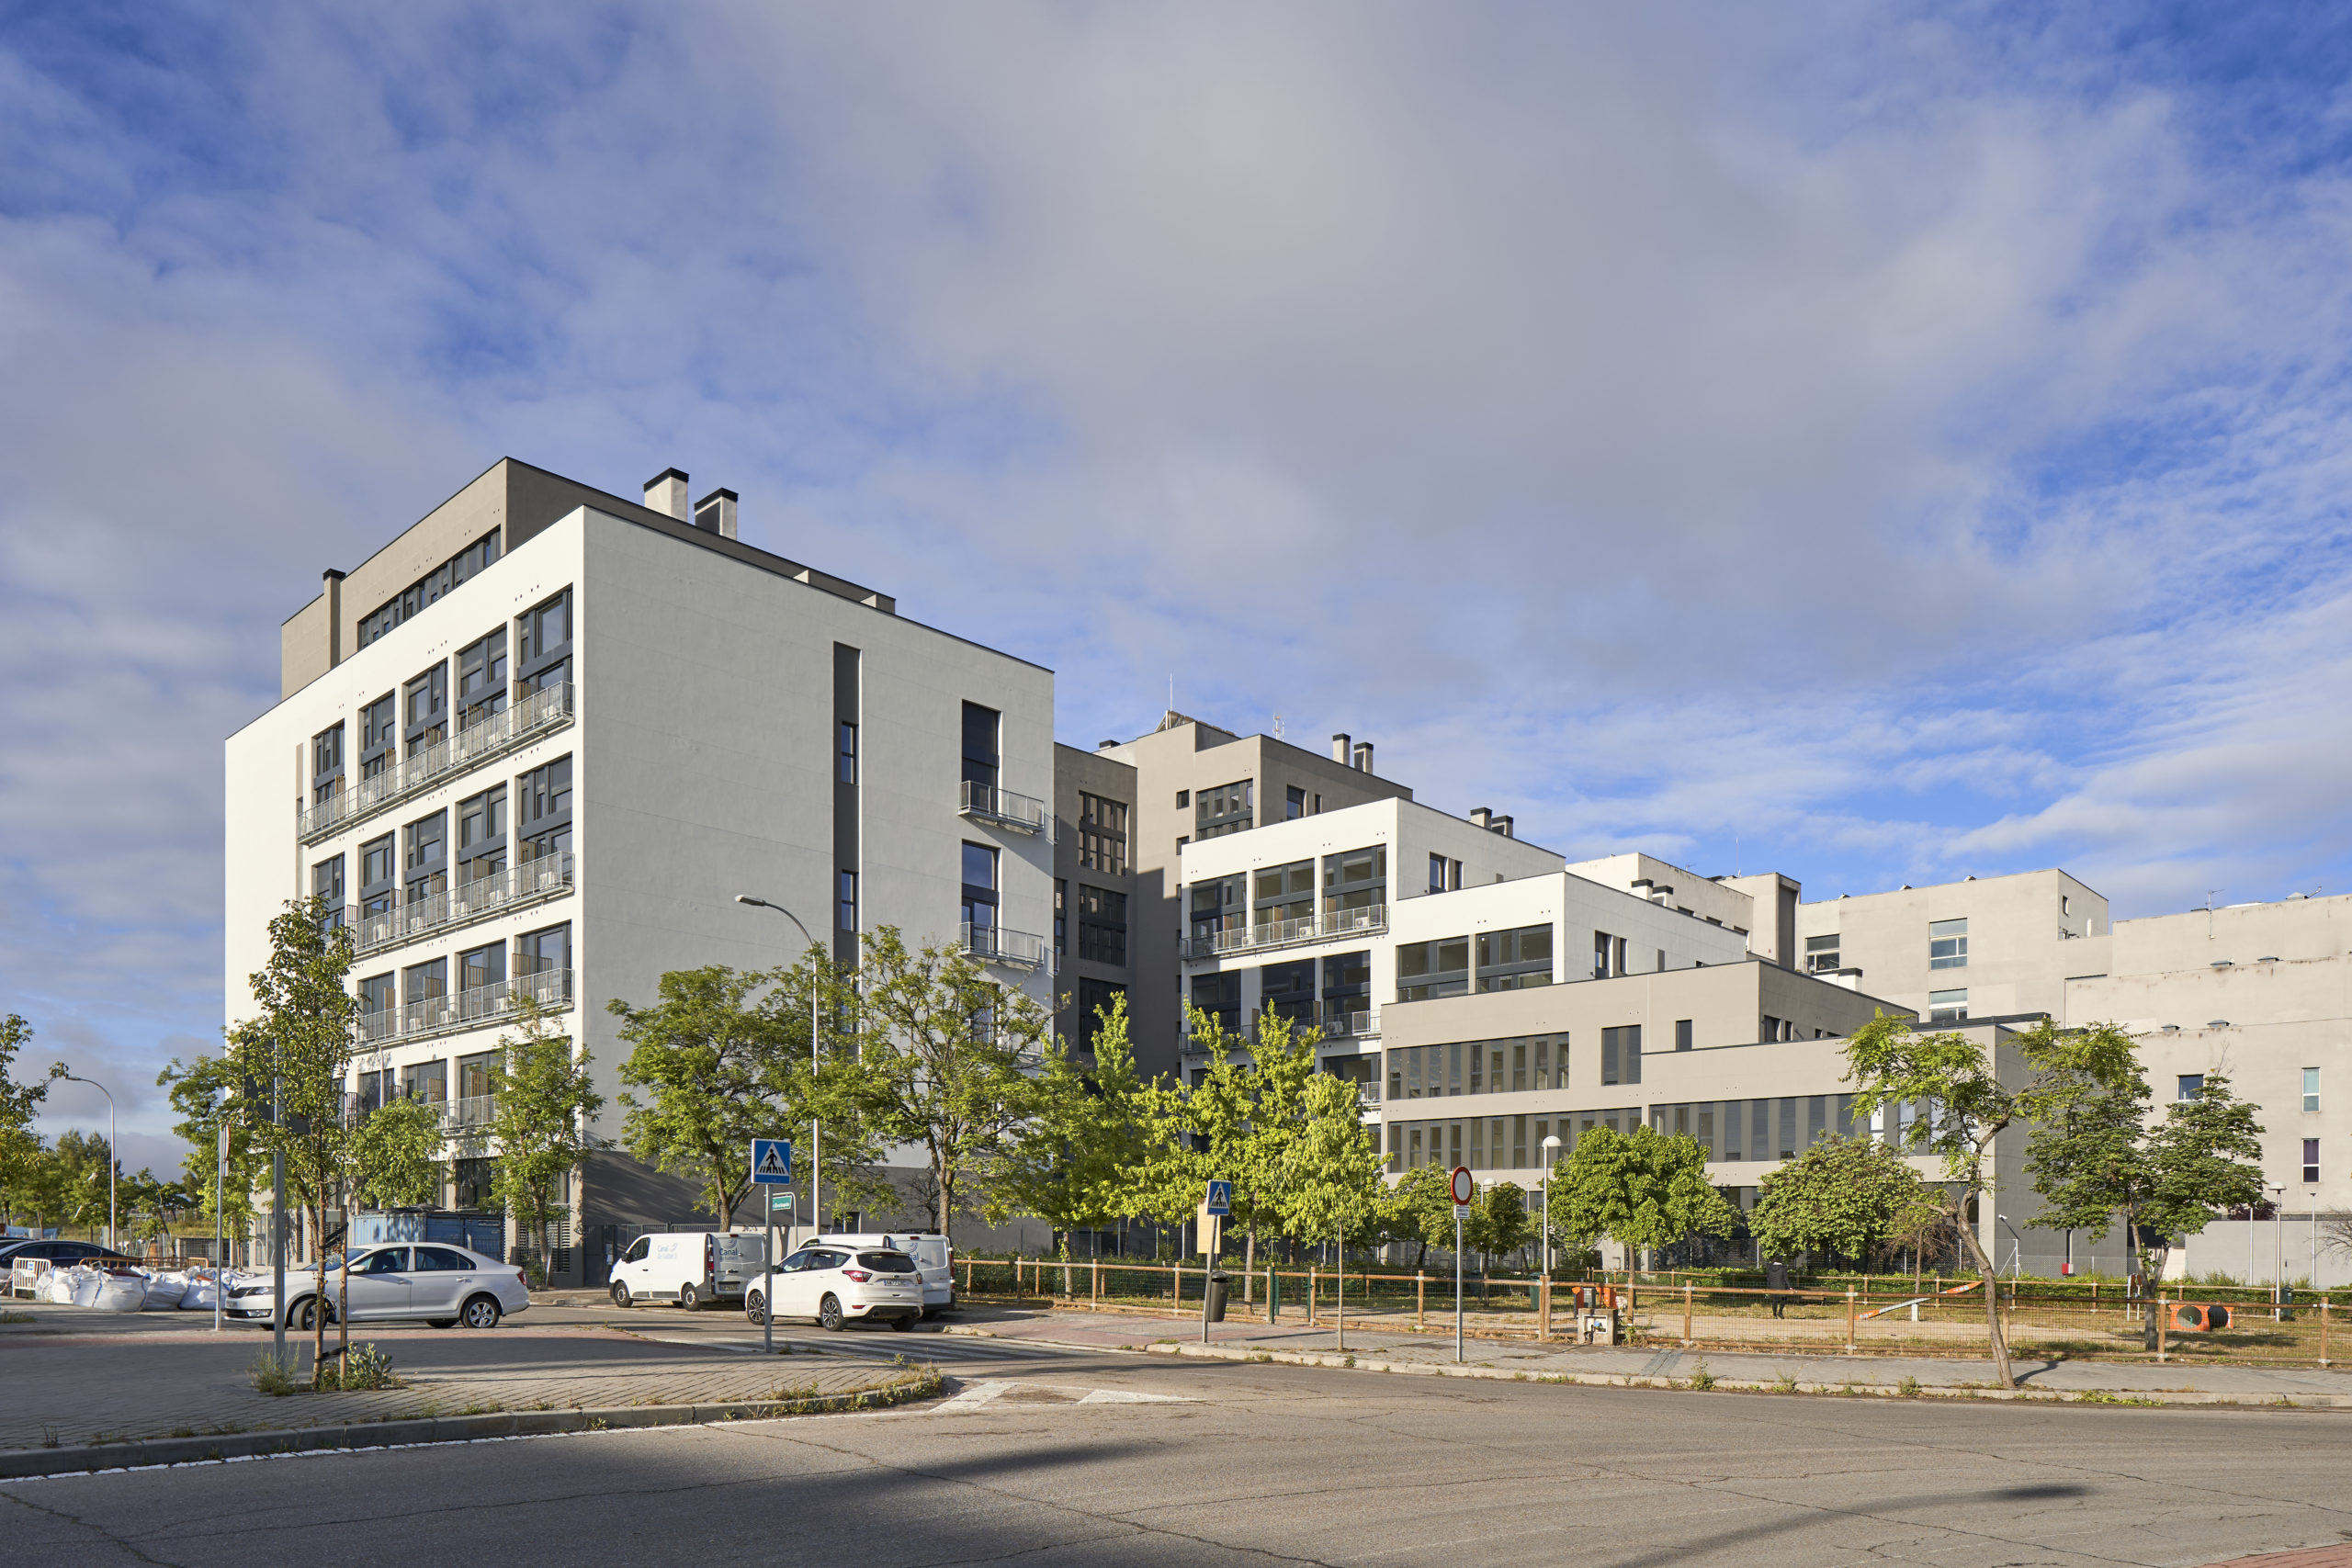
(26,1464)
(1353,1362)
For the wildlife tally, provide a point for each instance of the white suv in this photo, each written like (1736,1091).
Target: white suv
(443,1285)
(834,1284)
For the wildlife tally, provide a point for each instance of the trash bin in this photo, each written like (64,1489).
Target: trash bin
(1216,1298)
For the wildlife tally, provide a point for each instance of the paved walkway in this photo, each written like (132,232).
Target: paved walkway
(1088,1329)
(70,1380)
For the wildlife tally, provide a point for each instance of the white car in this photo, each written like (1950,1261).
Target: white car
(689,1267)
(442,1284)
(934,1260)
(833,1284)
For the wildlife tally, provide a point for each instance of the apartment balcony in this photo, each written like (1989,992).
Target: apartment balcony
(517,888)
(470,1116)
(470,1009)
(1337,925)
(1001,807)
(1350,1021)
(1001,944)
(517,725)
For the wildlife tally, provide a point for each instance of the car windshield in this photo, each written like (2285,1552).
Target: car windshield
(887,1262)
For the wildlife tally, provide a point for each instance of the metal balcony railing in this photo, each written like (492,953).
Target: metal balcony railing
(1350,1021)
(472,1113)
(985,803)
(1328,927)
(382,1024)
(1001,944)
(478,1005)
(519,723)
(517,887)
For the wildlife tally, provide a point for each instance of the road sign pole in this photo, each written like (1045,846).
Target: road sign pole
(767,1289)
(1457,1286)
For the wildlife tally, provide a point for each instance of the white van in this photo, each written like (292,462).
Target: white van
(934,1259)
(689,1267)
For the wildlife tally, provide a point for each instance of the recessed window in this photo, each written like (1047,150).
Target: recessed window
(979,886)
(482,966)
(1430,969)
(848,770)
(1620,1054)
(1295,805)
(1227,808)
(1820,952)
(1103,834)
(845,915)
(1682,1034)
(1515,960)
(2310,1161)
(981,754)
(481,679)
(1102,926)
(1947,944)
(2310,1088)
(2191,1086)
(1607,954)
(1948,1007)
(543,645)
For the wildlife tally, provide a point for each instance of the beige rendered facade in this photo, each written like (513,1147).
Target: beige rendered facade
(1995,947)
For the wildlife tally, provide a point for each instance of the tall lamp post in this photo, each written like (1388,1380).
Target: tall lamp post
(1551,1158)
(815,1131)
(114,1158)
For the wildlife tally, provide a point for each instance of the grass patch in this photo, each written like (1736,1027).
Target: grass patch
(2100,1396)
(1786,1384)
(16,1317)
(1908,1388)
(271,1376)
(1700,1378)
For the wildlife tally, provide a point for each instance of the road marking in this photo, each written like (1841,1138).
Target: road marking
(973,1398)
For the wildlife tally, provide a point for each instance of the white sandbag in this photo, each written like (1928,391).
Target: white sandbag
(48,1286)
(87,1283)
(164,1293)
(121,1292)
(200,1294)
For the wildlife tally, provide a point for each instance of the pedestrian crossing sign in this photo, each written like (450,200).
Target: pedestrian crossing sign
(771,1162)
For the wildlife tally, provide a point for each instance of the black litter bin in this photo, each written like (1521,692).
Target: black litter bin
(1216,1298)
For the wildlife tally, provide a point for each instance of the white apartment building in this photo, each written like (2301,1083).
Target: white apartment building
(541,740)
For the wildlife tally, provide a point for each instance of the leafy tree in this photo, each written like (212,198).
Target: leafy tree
(2207,1156)
(1075,1162)
(545,1103)
(396,1155)
(1498,1222)
(704,1055)
(82,1162)
(1421,1211)
(1643,1189)
(1329,1183)
(1841,1197)
(19,1102)
(203,1094)
(24,1168)
(824,1084)
(301,1038)
(1963,1107)
(948,1056)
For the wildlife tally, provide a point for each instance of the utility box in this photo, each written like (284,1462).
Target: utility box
(1601,1325)
(1216,1297)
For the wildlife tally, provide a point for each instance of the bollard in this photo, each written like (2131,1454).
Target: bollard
(2322,1331)
(1543,1312)
(2163,1324)
(1421,1299)
(1850,1320)
(1685,1315)
(1310,1295)
(1098,1283)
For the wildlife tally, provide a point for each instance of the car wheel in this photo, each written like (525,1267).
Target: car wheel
(620,1295)
(755,1307)
(904,1324)
(482,1312)
(828,1314)
(440,1323)
(303,1315)
(689,1298)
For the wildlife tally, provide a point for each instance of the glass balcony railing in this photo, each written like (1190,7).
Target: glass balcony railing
(1001,944)
(985,803)
(471,1008)
(517,725)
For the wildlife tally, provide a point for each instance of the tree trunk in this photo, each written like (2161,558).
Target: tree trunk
(343,1293)
(1984,1271)
(319,1298)
(1249,1266)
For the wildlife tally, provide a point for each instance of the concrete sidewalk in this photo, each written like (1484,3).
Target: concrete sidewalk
(1672,1366)
(78,1385)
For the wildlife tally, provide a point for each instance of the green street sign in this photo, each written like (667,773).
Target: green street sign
(779,1203)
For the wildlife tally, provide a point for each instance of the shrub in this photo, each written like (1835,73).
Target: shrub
(270,1375)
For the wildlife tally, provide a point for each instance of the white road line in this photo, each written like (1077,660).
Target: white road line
(973,1398)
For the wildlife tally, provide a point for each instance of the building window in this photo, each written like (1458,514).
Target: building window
(428,588)
(1608,955)
(477,1181)
(2310,1161)
(845,898)
(545,952)
(1947,944)
(424,710)
(378,873)
(980,887)
(1103,834)
(375,994)
(425,864)
(326,884)
(424,982)
(326,764)
(1620,1054)
(1101,925)
(1355,880)
(980,754)
(1278,893)
(1288,990)
(543,645)
(1095,997)
(1295,804)
(1430,969)
(848,771)
(482,966)
(1820,954)
(543,811)
(1219,995)
(1948,1007)
(1682,1034)
(1227,808)
(481,679)
(1061,915)
(1215,906)
(427,1081)
(2191,1086)
(1183,799)
(378,734)
(1347,993)
(481,834)
(1515,960)
(2310,1088)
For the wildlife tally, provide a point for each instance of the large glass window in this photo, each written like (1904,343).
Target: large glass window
(543,811)
(1347,993)
(2190,1085)
(428,588)
(846,772)
(1355,880)
(375,994)
(845,900)
(1430,969)
(1620,1054)
(1103,834)
(1948,1007)
(547,952)
(1278,893)
(423,982)
(378,734)
(1094,997)
(424,709)
(326,883)
(1514,959)
(981,756)
(427,1081)
(1947,944)
(378,875)
(1215,905)
(326,764)
(1608,955)
(979,886)
(425,861)
(1227,809)
(481,834)
(473,1073)
(2310,1088)
(1289,991)
(482,966)
(1219,995)
(1821,953)
(1101,925)
(543,643)
(482,678)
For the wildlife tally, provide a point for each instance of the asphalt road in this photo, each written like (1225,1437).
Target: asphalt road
(1226,1462)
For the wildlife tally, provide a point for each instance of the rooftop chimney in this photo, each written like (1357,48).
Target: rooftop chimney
(714,513)
(330,585)
(666,493)
(1340,750)
(1481,816)
(1503,826)
(1363,756)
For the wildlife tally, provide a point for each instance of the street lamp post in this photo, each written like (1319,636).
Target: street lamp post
(1551,1155)
(816,1131)
(2278,1237)
(113,1158)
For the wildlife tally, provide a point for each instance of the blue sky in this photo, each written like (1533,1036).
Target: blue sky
(1879,444)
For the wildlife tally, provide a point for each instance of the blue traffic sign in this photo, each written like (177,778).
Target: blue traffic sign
(1220,1199)
(771,1162)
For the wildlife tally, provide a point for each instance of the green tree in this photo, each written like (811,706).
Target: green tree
(300,1041)
(396,1155)
(1421,1211)
(823,1083)
(1074,1164)
(24,1164)
(203,1094)
(1498,1223)
(545,1103)
(1841,1197)
(1641,1189)
(2207,1156)
(703,1056)
(82,1162)
(948,1056)
(19,1102)
(1330,1184)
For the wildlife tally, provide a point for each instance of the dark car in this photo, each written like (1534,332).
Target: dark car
(60,1254)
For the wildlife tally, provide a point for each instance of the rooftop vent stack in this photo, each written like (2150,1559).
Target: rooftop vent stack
(1481,816)
(1503,826)
(1340,750)
(1363,756)
(666,493)
(715,514)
